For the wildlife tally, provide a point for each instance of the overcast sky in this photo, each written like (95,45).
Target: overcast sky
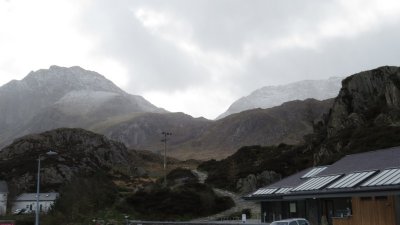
(198,56)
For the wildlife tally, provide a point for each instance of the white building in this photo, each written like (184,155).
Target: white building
(3,197)
(28,201)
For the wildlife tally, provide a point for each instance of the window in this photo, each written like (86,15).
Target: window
(292,207)
(279,223)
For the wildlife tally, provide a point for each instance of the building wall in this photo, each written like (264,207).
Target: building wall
(370,211)
(272,211)
(31,205)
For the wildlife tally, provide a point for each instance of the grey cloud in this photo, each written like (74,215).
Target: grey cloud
(226,26)
(152,62)
(337,57)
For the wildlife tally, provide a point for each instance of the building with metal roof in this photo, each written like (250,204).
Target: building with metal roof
(359,187)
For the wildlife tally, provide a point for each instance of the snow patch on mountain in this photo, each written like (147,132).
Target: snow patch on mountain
(83,102)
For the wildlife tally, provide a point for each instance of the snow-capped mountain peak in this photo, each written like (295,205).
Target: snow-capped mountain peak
(270,96)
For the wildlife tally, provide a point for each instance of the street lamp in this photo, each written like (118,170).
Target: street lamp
(126,219)
(165,154)
(49,153)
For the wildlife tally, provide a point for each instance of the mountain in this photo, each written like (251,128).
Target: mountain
(365,116)
(204,139)
(270,96)
(76,98)
(62,97)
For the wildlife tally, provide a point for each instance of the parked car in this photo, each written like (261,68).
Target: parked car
(294,221)
(28,211)
(19,211)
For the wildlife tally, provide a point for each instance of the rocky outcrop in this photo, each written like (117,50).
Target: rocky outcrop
(365,116)
(254,181)
(367,98)
(78,152)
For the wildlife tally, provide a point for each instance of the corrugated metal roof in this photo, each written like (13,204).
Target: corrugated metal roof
(345,176)
(313,172)
(265,191)
(3,187)
(283,190)
(366,161)
(386,177)
(352,179)
(42,197)
(315,183)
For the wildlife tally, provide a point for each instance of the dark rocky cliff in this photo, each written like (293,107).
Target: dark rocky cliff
(79,152)
(367,98)
(365,116)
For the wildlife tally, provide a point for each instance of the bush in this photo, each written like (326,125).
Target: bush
(182,203)
(81,198)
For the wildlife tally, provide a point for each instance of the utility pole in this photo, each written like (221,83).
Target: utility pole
(165,155)
(49,153)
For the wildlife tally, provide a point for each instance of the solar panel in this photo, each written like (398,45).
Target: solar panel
(352,179)
(316,183)
(283,190)
(265,191)
(314,172)
(386,177)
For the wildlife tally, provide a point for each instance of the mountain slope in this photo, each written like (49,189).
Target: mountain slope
(62,97)
(287,123)
(270,96)
(143,131)
(204,139)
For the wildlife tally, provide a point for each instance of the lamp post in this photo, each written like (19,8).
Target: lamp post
(126,219)
(49,153)
(165,154)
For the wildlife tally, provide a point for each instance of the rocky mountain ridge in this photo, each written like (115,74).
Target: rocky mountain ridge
(62,97)
(204,139)
(77,98)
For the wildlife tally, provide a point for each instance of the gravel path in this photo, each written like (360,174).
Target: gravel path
(240,203)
